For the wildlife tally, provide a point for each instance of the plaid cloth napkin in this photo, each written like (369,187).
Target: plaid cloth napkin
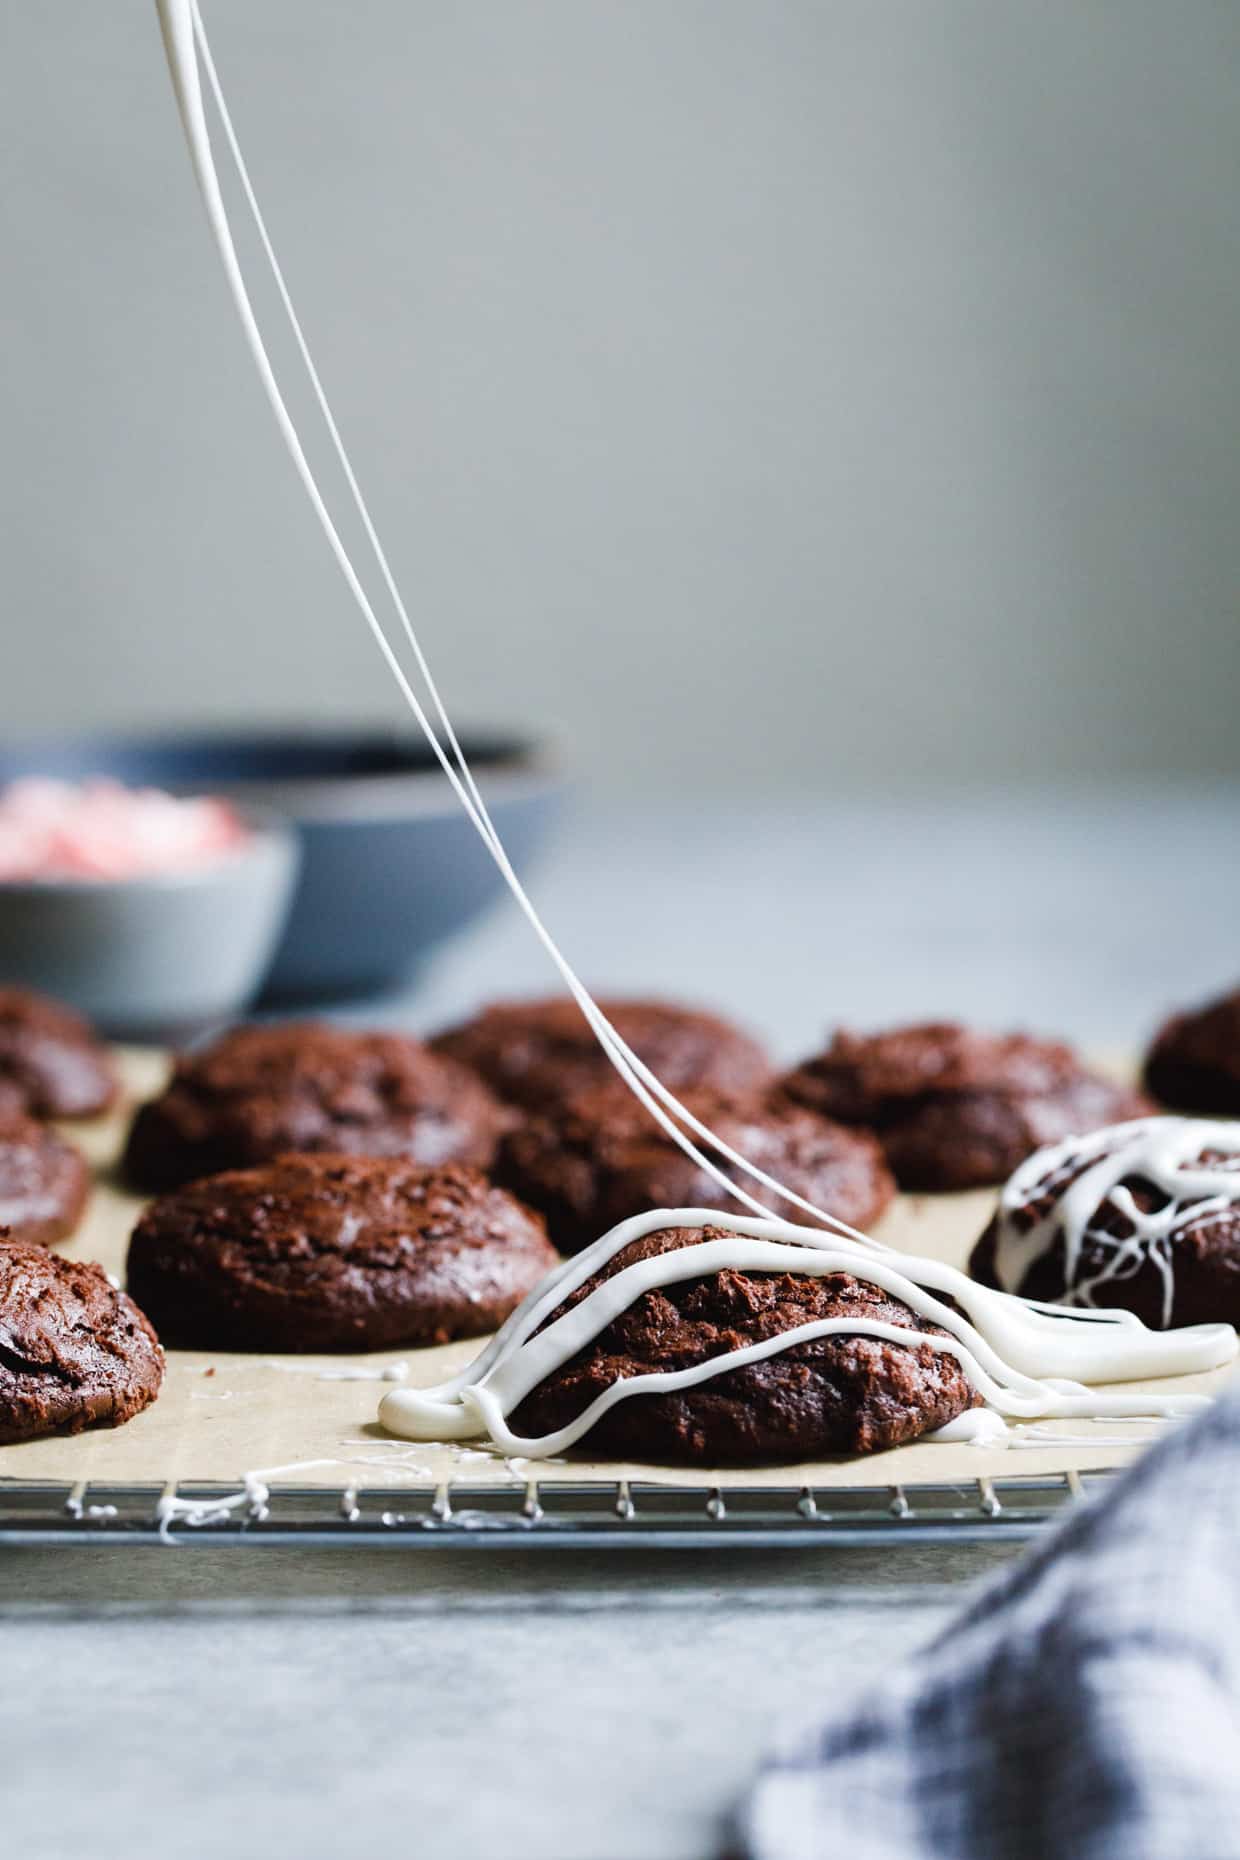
(1086,1707)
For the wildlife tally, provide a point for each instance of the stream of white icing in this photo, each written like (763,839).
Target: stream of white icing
(1102,1349)
(1162,1151)
(185,41)
(1028,1362)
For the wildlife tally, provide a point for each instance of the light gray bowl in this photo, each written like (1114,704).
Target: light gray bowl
(157,958)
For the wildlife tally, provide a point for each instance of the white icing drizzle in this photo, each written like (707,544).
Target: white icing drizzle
(172,1509)
(1028,1362)
(1162,1151)
(976,1427)
(391,1372)
(253,1499)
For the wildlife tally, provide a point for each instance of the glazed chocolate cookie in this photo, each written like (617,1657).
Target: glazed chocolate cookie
(955,1109)
(44,1182)
(51,1062)
(335,1253)
(259,1091)
(1178,1263)
(538,1053)
(602,1158)
(1194,1063)
(832,1395)
(74,1352)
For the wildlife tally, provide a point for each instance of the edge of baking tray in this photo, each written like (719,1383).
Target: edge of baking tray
(591,1515)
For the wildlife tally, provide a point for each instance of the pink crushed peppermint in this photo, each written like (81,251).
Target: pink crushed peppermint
(100,829)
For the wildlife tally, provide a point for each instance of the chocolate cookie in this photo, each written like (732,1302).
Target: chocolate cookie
(955,1109)
(259,1091)
(74,1352)
(539,1053)
(1177,1262)
(51,1062)
(335,1253)
(832,1395)
(602,1158)
(44,1182)
(1194,1063)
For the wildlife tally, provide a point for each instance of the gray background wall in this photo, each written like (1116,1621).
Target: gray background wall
(788,389)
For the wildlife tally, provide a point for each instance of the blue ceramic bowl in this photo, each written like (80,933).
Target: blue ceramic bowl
(390,866)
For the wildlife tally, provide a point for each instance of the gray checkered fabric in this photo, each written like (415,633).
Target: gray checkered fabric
(1086,1707)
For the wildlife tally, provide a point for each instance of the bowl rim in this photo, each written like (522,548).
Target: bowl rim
(266,830)
(519,766)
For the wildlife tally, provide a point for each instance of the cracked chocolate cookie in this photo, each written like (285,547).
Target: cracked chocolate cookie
(44,1182)
(601,1157)
(52,1064)
(955,1109)
(836,1394)
(335,1253)
(1194,1062)
(74,1351)
(539,1053)
(258,1092)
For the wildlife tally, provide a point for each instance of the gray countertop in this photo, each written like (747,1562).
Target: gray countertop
(564,1707)
(1088,912)
(432,1704)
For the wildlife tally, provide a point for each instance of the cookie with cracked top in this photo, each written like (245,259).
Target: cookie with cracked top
(540,1053)
(257,1092)
(335,1253)
(52,1063)
(838,1394)
(74,1351)
(1194,1062)
(956,1109)
(602,1158)
(44,1182)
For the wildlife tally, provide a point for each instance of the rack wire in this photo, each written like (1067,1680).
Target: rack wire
(549,1515)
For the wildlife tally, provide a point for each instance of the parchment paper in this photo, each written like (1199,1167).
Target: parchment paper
(221,1415)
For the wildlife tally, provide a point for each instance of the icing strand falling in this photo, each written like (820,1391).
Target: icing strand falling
(1085,1178)
(1028,1362)
(185,42)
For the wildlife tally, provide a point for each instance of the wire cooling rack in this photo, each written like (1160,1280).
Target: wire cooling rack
(586,1516)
